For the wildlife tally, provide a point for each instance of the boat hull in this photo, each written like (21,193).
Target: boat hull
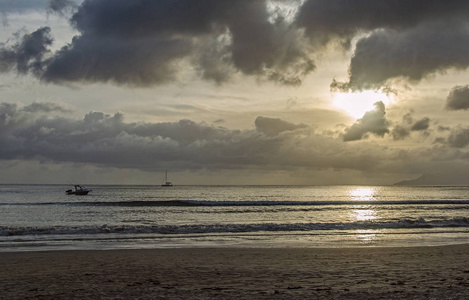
(77,193)
(79,190)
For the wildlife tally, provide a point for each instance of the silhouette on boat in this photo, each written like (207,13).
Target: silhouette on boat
(78,190)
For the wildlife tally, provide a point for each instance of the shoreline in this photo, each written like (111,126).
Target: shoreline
(233,273)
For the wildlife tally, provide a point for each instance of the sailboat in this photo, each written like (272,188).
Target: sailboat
(166,182)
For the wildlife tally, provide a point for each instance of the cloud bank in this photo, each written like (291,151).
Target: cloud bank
(42,131)
(46,133)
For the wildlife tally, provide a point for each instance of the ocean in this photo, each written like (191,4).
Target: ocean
(43,217)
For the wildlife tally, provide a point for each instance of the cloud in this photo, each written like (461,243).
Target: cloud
(62,7)
(144,43)
(411,54)
(374,122)
(458,98)
(41,132)
(399,39)
(459,138)
(400,132)
(13,117)
(273,127)
(46,107)
(325,20)
(422,124)
(28,53)
(46,133)
(141,62)
(407,125)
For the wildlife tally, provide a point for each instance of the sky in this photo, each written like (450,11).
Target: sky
(306,92)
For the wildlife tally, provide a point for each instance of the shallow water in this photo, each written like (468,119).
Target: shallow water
(43,217)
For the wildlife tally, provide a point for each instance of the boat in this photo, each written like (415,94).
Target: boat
(79,190)
(166,182)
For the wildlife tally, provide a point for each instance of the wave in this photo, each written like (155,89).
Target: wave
(321,203)
(208,203)
(7,231)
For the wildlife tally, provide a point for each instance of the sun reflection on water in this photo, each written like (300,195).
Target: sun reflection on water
(362,194)
(364,213)
(366,237)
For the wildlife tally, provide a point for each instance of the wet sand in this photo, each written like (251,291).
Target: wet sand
(291,273)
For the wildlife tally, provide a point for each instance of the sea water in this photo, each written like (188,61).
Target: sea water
(43,217)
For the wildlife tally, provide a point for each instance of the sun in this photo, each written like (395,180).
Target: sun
(357,104)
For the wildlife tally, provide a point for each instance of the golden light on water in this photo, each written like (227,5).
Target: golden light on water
(362,194)
(366,236)
(364,213)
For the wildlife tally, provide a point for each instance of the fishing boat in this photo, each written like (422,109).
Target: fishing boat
(166,182)
(78,190)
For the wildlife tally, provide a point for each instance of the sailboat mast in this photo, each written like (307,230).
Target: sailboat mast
(166,182)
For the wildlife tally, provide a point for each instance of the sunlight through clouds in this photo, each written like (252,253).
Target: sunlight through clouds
(357,104)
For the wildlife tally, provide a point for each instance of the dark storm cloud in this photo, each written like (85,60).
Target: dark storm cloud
(411,54)
(402,39)
(143,43)
(374,122)
(27,54)
(342,18)
(407,39)
(140,62)
(458,98)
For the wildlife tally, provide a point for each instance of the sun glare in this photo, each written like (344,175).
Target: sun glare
(362,194)
(357,104)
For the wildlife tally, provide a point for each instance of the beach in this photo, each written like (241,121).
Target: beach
(238,273)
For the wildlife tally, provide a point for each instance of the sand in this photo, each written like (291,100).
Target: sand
(306,273)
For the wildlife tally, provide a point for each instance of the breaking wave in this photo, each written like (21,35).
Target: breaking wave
(267,203)
(230,228)
(208,203)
